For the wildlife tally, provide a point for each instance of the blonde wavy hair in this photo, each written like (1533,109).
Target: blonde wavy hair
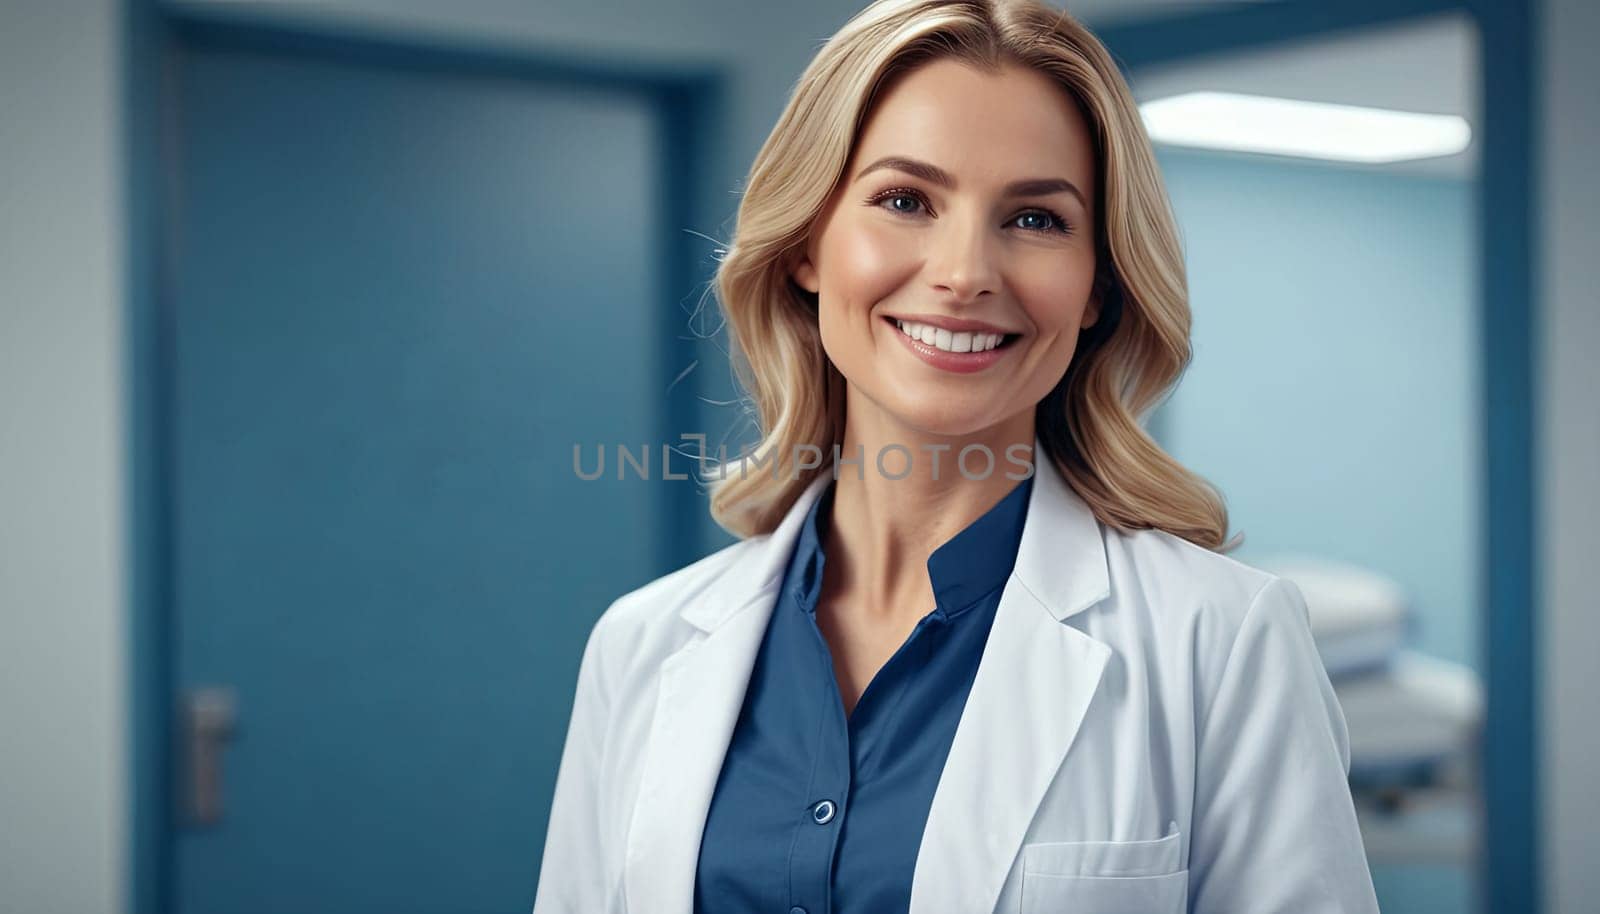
(1124,365)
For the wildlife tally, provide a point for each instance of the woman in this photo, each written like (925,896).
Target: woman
(985,655)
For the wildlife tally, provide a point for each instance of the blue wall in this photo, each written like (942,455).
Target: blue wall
(1334,393)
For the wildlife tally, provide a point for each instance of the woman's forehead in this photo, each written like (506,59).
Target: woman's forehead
(981,126)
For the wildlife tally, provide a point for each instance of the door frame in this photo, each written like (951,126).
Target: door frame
(1509,875)
(691,98)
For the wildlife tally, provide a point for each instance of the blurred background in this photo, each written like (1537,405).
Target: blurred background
(304,306)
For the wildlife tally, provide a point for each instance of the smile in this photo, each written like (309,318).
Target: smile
(947,341)
(962,352)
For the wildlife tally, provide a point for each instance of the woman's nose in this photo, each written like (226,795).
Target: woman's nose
(963,265)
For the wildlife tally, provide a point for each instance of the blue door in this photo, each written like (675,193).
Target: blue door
(397,295)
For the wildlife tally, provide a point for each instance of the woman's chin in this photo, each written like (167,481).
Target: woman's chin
(944,417)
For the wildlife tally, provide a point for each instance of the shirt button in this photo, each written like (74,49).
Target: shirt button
(822,813)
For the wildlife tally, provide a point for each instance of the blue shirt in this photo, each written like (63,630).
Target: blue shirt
(816,813)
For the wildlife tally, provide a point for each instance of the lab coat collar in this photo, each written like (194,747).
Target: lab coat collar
(1060,558)
(759,574)
(1032,689)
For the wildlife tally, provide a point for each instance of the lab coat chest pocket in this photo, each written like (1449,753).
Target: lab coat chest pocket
(1105,877)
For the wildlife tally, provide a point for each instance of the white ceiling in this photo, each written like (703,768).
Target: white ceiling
(1427,65)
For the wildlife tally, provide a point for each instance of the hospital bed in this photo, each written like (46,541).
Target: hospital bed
(1414,720)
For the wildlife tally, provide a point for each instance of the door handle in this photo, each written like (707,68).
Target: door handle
(209,714)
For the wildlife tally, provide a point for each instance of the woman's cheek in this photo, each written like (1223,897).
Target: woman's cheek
(874,260)
(1056,301)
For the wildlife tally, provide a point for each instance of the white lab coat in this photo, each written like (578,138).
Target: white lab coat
(1150,730)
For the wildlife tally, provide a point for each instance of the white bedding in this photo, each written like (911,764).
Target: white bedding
(1417,709)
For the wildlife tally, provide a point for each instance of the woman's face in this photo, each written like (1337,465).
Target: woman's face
(966,211)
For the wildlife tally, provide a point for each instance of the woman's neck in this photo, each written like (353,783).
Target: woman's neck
(887,520)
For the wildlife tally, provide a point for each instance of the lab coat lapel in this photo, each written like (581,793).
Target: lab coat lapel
(701,691)
(1032,689)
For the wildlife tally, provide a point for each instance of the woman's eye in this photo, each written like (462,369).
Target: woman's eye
(1040,220)
(892,200)
(1034,220)
(1044,221)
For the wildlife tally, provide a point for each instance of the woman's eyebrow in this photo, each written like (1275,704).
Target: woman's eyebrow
(1027,187)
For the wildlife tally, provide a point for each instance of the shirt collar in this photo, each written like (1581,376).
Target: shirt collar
(966,567)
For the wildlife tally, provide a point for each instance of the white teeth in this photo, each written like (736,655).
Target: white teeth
(965,341)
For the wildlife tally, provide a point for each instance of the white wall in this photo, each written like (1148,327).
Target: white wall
(61,573)
(1570,451)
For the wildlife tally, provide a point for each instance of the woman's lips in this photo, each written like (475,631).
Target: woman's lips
(958,362)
